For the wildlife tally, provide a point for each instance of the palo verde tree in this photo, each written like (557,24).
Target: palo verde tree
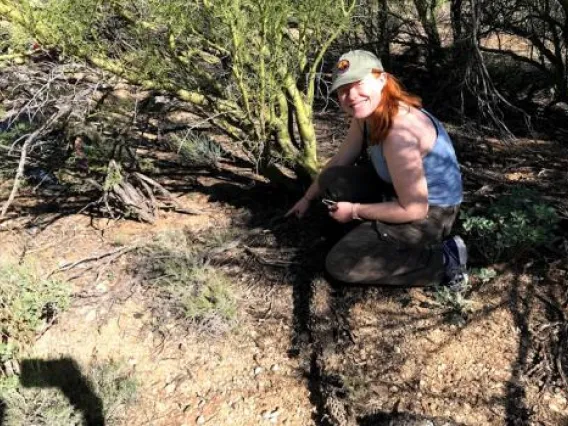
(250,66)
(543,25)
(402,22)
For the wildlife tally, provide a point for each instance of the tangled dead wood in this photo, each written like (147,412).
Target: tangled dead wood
(55,119)
(479,83)
(133,195)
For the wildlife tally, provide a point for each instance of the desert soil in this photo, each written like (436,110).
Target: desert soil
(303,352)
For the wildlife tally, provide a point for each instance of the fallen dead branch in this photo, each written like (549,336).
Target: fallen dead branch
(54,119)
(277,263)
(134,195)
(116,253)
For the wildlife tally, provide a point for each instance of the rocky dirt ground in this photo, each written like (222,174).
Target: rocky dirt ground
(303,352)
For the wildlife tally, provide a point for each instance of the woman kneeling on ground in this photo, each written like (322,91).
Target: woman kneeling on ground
(396,172)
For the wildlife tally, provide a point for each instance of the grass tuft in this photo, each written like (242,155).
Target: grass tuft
(27,304)
(196,149)
(175,265)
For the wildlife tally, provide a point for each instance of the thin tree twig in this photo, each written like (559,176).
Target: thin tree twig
(23,155)
(117,252)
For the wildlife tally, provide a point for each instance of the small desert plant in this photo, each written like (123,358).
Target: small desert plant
(190,287)
(57,392)
(147,166)
(114,175)
(451,299)
(27,303)
(196,149)
(115,386)
(484,275)
(457,305)
(515,222)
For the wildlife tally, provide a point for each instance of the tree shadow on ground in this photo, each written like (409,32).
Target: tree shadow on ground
(321,308)
(65,374)
(404,419)
(517,410)
(266,206)
(316,332)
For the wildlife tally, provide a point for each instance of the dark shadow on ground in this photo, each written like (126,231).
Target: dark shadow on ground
(516,406)
(404,419)
(311,339)
(65,375)
(2,412)
(317,333)
(266,206)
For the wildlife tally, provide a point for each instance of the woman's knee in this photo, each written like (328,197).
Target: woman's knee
(339,267)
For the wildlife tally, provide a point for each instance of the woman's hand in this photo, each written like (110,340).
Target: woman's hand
(299,209)
(342,211)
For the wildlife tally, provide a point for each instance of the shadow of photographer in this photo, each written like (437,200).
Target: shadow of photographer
(2,412)
(65,375)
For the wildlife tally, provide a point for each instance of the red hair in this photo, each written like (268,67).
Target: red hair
(392,95)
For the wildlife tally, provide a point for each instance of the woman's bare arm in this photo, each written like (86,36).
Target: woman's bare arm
(404,159)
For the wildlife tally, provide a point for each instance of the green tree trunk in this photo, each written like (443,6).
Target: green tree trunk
(239,61)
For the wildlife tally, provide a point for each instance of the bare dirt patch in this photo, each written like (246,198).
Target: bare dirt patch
(302,351)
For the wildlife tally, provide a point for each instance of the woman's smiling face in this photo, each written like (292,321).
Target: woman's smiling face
(361,98)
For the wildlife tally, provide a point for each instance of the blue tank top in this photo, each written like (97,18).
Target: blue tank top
(441,168)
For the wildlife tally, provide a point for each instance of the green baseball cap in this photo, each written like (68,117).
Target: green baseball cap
(354,66)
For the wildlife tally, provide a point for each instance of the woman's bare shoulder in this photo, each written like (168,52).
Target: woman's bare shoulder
(411,124)
(403,127)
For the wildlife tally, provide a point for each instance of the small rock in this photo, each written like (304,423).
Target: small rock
(170,388)
(200,420)
(557,404)
(91,315)
(274,367)
(271,415)
(257,371)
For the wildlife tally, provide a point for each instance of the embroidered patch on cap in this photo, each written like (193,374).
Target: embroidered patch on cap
(343,65)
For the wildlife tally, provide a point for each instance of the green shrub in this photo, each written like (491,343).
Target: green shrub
(457,305)
(196,149)
(116,386)
(484,275)
(191,288)
(515,222)
(27,303)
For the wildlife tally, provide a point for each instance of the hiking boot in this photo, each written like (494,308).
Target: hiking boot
(455,261)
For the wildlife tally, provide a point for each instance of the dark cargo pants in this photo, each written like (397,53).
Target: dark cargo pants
(375,252)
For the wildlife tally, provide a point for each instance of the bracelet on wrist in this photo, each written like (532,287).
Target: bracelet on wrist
(354,211)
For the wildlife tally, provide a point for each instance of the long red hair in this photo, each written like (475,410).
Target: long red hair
(392,95)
